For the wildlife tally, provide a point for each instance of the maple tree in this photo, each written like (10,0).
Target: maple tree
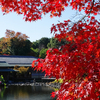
(77,63)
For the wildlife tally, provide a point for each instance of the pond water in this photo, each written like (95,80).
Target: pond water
(26,93)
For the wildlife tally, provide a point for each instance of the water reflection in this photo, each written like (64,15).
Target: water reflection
(2,90)
(27,93)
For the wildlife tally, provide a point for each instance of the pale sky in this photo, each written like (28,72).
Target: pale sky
(35,30)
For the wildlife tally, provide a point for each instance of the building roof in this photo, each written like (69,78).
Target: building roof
(4,64)
(9,60)
(8,70)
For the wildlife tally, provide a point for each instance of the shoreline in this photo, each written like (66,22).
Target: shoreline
(55,85)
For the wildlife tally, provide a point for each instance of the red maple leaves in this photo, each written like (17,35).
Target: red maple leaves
(77,62)
(33,9)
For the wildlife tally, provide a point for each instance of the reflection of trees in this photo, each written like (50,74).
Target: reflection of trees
(2,90)
(21,94)
(25,93)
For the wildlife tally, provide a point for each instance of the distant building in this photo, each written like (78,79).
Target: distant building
(7,63)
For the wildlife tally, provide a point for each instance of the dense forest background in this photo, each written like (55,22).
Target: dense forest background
(16,43)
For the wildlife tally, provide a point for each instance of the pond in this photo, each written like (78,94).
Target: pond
(26,93)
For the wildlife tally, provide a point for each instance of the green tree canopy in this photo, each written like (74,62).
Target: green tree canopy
(54,43)
(42,53)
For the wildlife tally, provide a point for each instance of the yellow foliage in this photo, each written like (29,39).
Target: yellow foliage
(21,69)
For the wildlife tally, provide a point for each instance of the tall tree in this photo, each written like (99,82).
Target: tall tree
(12,34)
(35,52)
(15,43)
(54,43)
(38,45)
(42,53)
(78,65)
(43,42)
(4,46)
(35,44)
(20,47)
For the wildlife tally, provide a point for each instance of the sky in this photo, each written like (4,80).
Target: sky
(34,30)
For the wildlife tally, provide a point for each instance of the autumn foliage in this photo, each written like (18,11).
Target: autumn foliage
(78,62)
(15,43)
